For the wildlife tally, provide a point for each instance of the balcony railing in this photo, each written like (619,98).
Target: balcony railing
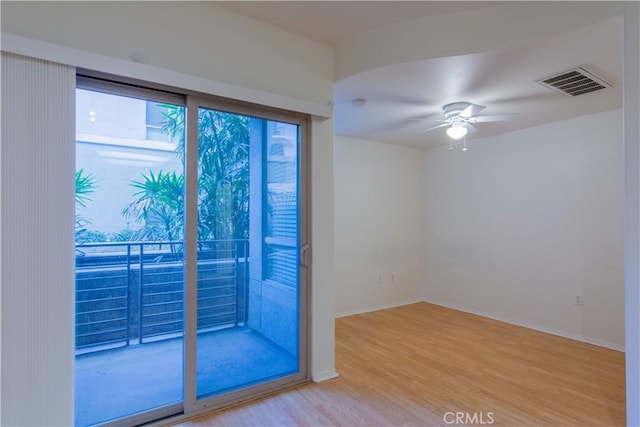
(133,292)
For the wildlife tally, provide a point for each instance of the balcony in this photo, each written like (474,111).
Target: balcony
(129,326)
(132,292)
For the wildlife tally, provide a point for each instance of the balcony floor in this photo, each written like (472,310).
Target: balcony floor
(123,381)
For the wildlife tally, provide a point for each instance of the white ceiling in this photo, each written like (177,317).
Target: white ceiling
(502,80)
(332,21)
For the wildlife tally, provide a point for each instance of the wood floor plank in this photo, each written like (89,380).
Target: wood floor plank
(411,365)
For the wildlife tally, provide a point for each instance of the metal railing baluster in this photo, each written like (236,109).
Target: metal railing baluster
(128,293)
(140,284)
(245,244)
(237,284)
(110,299)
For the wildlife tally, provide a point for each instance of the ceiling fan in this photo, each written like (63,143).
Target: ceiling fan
(460,117)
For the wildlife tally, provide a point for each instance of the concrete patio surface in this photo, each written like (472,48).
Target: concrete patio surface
(123,381)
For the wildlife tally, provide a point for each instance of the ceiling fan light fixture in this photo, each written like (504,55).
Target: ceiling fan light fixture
(456,131)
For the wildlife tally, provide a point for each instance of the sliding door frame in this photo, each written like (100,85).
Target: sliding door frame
(88,80)
(193,405)
(192,101)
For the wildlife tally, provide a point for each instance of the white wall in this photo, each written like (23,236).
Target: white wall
(322,268)
(196,38)
(523,222)
(199,46)
(514,228)
(378,222)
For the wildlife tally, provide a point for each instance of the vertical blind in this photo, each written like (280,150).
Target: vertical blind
(37,160)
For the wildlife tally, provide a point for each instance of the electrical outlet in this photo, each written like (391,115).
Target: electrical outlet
(579,300)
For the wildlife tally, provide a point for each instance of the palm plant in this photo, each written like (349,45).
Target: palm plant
(223,183)
(159,206)
(84,186)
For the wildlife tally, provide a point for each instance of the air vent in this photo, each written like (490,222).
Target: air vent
(574,82)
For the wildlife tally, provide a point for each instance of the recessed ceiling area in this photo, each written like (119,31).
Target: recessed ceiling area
(501,71)
(504,81)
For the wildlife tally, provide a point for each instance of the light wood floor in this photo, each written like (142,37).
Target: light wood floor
(413,364)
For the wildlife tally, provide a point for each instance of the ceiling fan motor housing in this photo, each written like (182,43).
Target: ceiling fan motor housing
(454,109)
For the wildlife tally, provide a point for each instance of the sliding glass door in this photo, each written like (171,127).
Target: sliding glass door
(247,233)
(129,254)
(191,275)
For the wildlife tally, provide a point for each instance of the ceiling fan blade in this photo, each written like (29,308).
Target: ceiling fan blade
(429,119)
(434,127)
(471,111)
(470,128)
(496,118)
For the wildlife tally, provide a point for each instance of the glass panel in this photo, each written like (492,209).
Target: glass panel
(247,307)
(129,263)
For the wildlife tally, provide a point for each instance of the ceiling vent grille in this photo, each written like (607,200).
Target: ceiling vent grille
(574,82)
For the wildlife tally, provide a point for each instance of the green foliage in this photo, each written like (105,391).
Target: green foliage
(126,235)
(90,236)
(85,185)
(223,180)
(223,149)
(95,236)
(159,206)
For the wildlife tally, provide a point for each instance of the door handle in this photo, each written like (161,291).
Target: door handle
(304,253)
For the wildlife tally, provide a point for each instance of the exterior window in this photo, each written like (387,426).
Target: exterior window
(156,120)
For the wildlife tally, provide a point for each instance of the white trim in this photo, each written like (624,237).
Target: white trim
(325,376)
(83,59)
(560,333)
(377,307)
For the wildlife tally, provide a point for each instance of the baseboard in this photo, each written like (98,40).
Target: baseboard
(560,333)
(377,307)
(324,376)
